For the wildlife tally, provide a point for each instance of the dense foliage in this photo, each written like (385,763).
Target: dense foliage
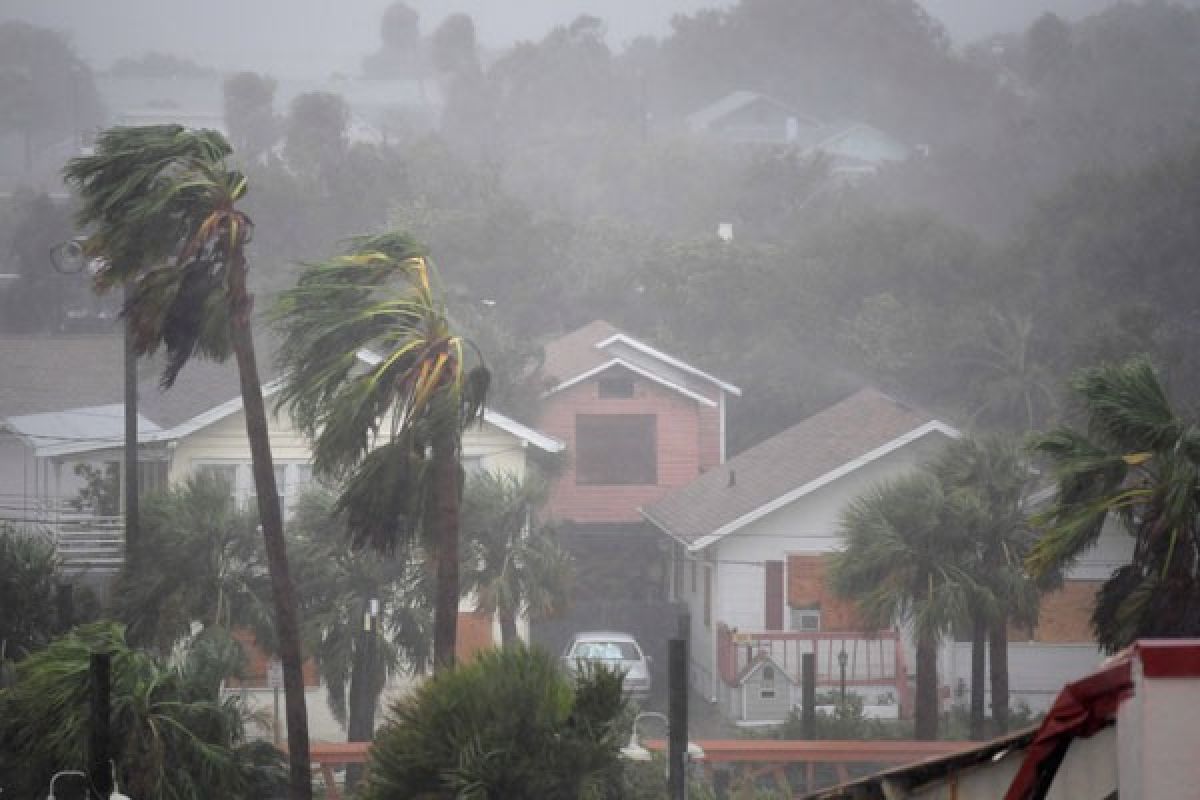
(173,739)
(508,724)
(29,580)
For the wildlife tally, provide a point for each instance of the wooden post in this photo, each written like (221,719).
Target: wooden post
(677,734)
(808,694)
(99,736)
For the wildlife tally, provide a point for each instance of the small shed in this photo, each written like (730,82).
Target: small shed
(767,691)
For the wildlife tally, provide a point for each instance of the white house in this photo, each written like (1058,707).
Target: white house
(749,541)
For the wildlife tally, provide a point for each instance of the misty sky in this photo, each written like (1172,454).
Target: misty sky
(314,38)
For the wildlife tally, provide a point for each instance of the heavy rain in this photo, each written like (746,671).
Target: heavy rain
(749,399)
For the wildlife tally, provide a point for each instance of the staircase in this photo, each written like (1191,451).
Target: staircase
(87,543)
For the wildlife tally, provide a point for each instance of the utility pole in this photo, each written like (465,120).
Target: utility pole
(131,439)
(677,725)
(99,735)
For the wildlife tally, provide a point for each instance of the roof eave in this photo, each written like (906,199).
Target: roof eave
(933,426)
(669,359)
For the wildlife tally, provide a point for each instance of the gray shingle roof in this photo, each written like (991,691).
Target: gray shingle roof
(56,373)
(850,429)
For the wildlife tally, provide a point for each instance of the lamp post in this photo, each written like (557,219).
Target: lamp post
(842,659)
(635,751)
(69,258)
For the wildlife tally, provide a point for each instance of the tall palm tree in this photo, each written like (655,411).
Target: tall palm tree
(338,585)
(1136,463)
(513,566)
(161,205)
(377,376)
(987,482)
(903,563)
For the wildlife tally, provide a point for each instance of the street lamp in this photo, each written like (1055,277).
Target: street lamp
(842,659)
(635,751)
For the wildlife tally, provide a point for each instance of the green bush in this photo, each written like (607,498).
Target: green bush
(509,724)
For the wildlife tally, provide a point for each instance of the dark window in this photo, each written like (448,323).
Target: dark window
(615,386)
(615,449)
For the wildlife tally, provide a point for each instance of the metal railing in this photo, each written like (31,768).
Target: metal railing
(84,541)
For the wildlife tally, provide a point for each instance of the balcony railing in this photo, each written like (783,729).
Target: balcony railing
(872,659)
(84,542)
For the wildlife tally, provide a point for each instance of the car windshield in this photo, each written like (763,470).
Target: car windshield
(606,651)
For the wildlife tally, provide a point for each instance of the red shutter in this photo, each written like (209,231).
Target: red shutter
(773,613)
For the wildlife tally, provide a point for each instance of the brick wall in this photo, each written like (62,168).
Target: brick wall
(687,437)
(1066,614)
(807,587)
(474,634)
(257,661)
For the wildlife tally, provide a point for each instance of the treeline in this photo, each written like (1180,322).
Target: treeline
(1051,225)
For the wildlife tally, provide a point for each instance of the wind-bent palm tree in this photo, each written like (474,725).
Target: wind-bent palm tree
(161,206)
(904,563)
(377,376)
(987,481)
(1138,464)
(513,566)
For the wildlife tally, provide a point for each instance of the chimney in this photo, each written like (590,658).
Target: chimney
(732,479)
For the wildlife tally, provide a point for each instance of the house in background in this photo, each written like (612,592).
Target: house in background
(745,117)
(197,426)
(748,544)
(851,149)
(637,423)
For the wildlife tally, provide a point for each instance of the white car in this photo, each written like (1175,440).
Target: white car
(615,651)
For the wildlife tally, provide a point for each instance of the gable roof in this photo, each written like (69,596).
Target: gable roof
(599,346)
(701,119)
(848,435)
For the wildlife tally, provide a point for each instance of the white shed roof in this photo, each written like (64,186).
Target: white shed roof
(76,430)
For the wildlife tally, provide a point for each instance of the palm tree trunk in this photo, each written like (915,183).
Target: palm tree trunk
(446,497)
(979,636)
(287,624)
(508,629)
(998,653)
(927,687)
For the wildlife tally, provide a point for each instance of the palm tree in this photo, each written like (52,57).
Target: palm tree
(513,567)
(1136,463)
(510,723)
(161,205)
(987,482)
(1012,386)
(200,561)
(29,580)
(903,562)
(338,586)
(175,738)
(377,376)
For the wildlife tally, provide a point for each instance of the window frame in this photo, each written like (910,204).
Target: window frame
(613,469)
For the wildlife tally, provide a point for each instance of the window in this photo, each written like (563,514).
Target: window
(615,386)
(225,474)
(806,619)
(766,687)
(616,449)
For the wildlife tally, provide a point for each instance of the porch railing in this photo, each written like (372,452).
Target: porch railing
(84,542)
(872,659)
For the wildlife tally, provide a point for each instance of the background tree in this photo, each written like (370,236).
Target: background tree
(162,207)
(512,564)
(47,93)
(508,724)
(173,738)
(453,47)
(391,428)
(903,563)
(338,586)
(249,103)
(1135,464)
(315,141)
(399,52)
(39,300)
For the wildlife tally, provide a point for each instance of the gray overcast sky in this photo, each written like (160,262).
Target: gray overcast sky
(313,38)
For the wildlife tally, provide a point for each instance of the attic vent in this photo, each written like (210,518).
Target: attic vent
(615,386)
